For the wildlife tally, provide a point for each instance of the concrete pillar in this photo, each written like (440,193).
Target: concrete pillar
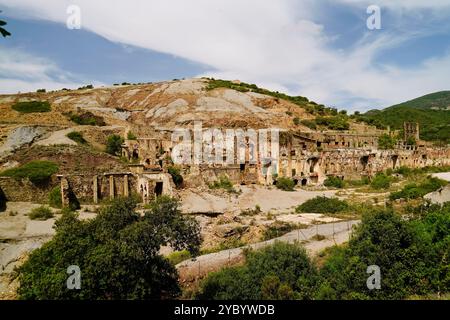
(111,186)
(126,192)
(95,188)
(65,192)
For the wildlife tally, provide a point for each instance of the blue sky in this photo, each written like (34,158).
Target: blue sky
(319,49)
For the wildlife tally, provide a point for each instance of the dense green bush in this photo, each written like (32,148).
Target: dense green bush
(309,124)
(412,255)
(117,252)
(285,183)
(381,181)
(77,137)
(41,213)
(386,142)
(334,182)
(87,119)
(414,191)
(323,205)
(131,136)
(176,176)
(339,122)
(54,198)
(32,106)
(296,121)
(114,144)
(38,172)
(281,271)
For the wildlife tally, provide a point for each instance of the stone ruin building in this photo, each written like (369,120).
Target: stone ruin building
(306,157)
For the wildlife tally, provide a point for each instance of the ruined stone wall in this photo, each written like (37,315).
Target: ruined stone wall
(211,174)
(108,186)
(26,191)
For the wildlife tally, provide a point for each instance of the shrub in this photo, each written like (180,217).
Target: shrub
(280,271)
(54,198)
(41,91)
(176,176)
(286,184)
(114,144)
(414,191)
(41,213)
(278,229)
(252,212)
(386,142)
(87,119)
(297,121)
(323,205)
(131,136)
(223,183)
(77,137)
(381,181)
(309,124)
(38,172)
(334,182)
(339,122)
(32,106)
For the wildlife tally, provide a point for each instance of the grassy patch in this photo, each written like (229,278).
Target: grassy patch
(323,205)
(285,184)
(77,137)
(251,212)
(87,119)
(54,198)
(179,256)
(223,183)
(38,172)
(41,213)
(415,191)
(32,106)
(381,181)
(334,182)
(277,229)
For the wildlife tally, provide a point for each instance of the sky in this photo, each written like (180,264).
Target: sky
(321,49)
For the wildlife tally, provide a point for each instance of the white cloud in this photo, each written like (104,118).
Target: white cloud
(22,72)
(276,44)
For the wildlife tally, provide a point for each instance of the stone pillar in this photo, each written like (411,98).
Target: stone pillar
(126,192)
(95,188)
(111,186)
(65,192)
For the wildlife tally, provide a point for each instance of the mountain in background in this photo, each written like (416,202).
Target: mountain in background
(431,111)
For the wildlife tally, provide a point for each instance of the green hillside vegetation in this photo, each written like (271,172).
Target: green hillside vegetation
(32,106)
(434,101)
(429,111)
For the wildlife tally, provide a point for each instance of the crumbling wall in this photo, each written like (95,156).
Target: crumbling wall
(25,191)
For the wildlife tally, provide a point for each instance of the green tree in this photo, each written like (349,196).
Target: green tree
(117,252)
(114,144)
(3,31)
(386,142)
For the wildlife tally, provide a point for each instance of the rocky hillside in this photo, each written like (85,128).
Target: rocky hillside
(44,119)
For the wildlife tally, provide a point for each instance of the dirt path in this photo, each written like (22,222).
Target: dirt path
(334,233)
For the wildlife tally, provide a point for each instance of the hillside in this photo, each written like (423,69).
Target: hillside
(434,101)
(432,112)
